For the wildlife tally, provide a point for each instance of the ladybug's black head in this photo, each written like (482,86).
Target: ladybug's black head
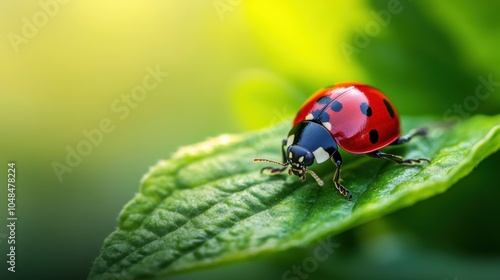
(299,159)
(307,142)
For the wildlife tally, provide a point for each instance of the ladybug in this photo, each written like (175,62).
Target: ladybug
(356,117)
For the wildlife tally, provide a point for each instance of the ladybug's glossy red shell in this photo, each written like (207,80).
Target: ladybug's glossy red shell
(360,118)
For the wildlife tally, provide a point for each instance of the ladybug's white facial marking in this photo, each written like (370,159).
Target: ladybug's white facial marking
(321,155)
(309,117)
(290,139)
(301,159)
(327,125)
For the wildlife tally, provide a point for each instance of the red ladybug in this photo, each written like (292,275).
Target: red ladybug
(357,117)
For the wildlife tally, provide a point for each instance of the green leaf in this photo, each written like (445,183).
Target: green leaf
(209,204)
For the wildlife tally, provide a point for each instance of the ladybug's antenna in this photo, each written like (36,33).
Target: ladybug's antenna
(316,177)
(320,182)
(270,161)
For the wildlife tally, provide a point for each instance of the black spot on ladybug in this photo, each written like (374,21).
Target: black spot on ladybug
(320,116)
(316,113)
(373,136)
(389,108)
(336,106)
(324,117)
(366,109)
(323,100)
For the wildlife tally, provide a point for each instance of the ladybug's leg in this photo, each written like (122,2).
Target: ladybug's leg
(403,139)
(337,159)
(277,170)
(398,159)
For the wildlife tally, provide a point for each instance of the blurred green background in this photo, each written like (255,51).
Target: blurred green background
(233,66)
